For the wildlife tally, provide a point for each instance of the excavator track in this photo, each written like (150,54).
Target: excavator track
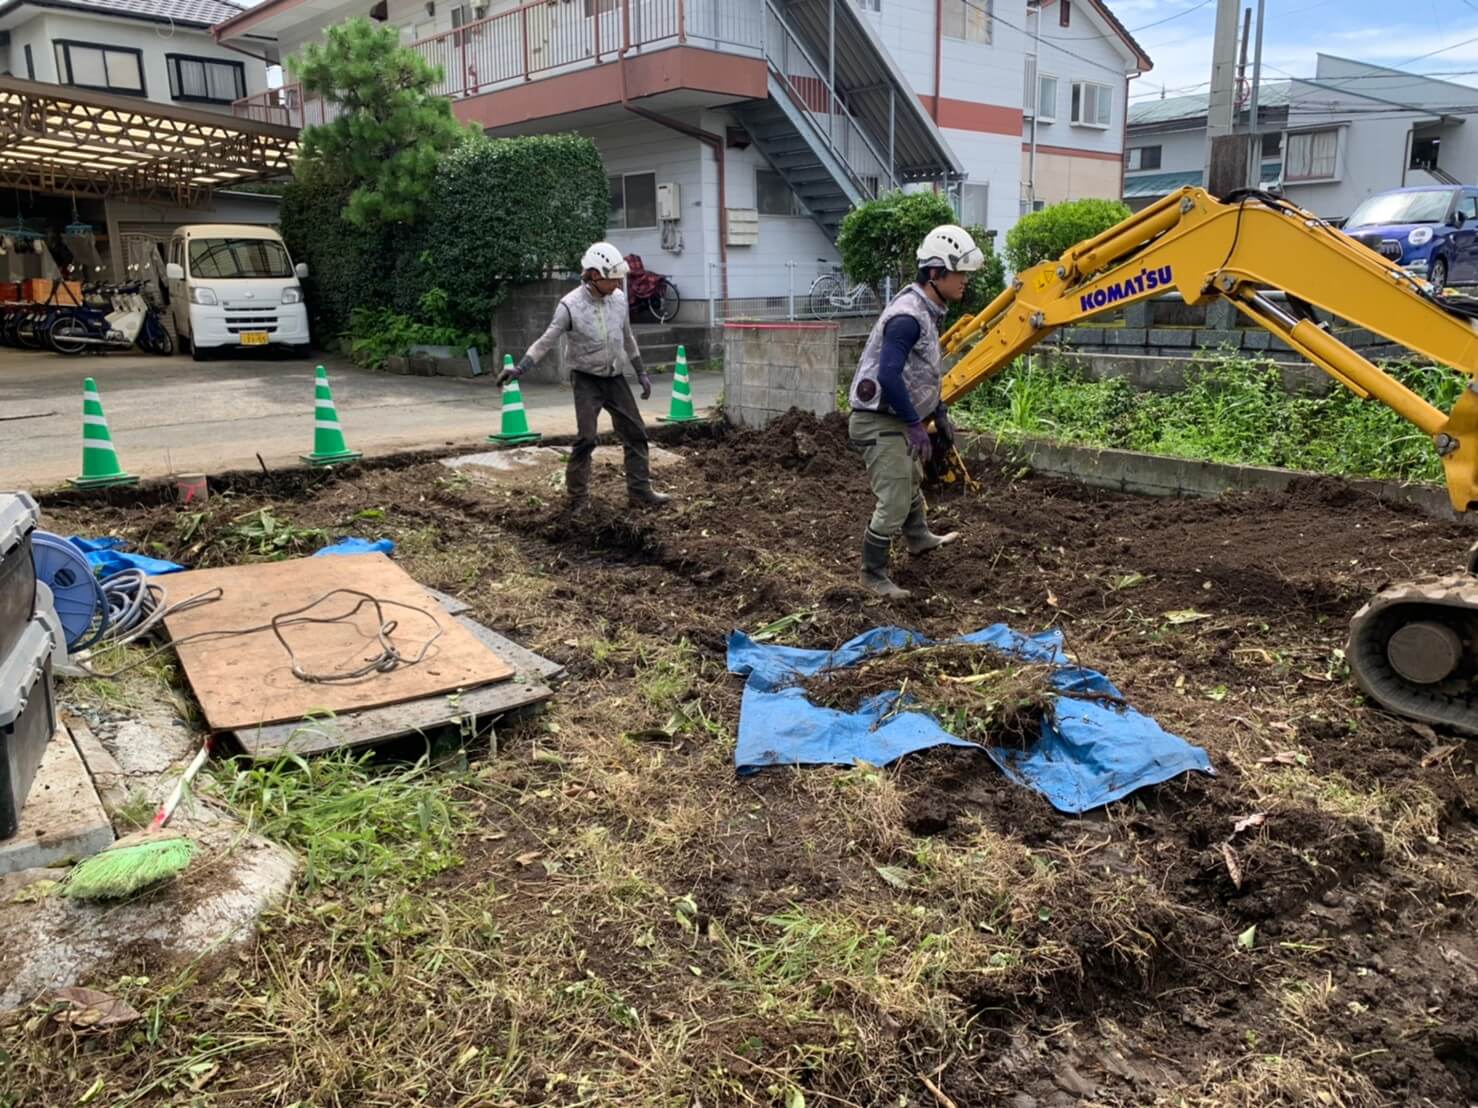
(1414,650)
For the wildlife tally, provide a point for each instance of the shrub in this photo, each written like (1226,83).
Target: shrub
(1053,231)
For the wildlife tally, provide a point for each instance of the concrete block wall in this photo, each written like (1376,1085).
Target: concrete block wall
(521,319)
(770,368)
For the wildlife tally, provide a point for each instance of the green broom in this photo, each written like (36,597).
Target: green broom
(141,859)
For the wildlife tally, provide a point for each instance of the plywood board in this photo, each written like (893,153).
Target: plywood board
(423,717)
(247,680)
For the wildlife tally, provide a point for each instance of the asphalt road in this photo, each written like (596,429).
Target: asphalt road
(173,415)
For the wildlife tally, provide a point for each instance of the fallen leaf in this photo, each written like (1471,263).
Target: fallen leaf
(1284,758)
(529,857)
(466,1056)
(201,1073)
(1128,581)
(1218,694)
(91,1010)
(35,892)
(1247,938)
(696,971)
(1440,754)
(794,1098)
(92,1091)
(1185,615)
(1051,598)
(1234,868)
(894,876)
(1423,730)
(1257,819)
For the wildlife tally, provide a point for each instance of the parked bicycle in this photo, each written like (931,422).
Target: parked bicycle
(651,292)
(831,297)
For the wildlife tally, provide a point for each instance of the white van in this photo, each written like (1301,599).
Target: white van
(233,285)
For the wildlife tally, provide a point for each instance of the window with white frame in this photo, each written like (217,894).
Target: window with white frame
(1093,104)
(1142,157)
(1311,155)
(969,20)
(1046,98)
(106,68)
(975,204)
(633,201)
(205,80)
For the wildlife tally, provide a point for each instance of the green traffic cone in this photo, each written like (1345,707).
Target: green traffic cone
(514,430)
(329,446)
(100,468)
(681,410)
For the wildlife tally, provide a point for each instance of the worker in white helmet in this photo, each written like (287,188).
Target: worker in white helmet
(601,345)
(896,392)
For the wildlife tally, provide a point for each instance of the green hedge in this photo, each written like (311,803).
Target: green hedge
(1053,231)
(501,211)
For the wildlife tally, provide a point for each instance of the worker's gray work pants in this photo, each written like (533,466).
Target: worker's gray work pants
(895,477)
(611,394)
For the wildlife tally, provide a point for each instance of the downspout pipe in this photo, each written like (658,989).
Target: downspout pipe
(713,141)
(938,55)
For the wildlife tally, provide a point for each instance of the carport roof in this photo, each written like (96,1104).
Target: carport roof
(63,140)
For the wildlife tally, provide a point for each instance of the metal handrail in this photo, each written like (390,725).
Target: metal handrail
(834,104)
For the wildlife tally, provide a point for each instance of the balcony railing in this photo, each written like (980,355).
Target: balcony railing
(287,107)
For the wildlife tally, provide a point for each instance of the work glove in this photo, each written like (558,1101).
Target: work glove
(524,365)
(646,386)
(944,428)
(919,447)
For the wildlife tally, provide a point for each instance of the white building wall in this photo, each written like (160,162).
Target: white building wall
(154,41)
(1093,58)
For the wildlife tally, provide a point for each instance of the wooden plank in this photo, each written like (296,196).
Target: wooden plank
(379,725)
(522,659)
(244,681)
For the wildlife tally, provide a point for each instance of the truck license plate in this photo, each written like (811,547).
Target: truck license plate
(253,338)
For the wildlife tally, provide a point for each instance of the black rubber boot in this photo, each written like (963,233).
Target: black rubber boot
(875,577)
(647,497)
(916,533)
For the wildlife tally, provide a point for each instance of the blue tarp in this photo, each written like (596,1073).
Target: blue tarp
(108,556)
(1091,752)
(358,546)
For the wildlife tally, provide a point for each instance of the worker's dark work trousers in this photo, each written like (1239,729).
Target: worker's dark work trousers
(611,394)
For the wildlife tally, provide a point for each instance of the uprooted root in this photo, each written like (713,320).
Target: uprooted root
(975,692)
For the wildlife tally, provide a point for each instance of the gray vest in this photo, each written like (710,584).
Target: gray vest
(922,371)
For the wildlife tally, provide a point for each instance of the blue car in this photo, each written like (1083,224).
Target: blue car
(1431,231)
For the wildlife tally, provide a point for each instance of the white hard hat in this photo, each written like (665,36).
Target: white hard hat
(952,248)
(606,260)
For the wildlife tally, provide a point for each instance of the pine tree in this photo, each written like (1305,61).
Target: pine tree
(392,129)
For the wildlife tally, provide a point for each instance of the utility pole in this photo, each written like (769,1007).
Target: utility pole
(1226,166)
(1254,124)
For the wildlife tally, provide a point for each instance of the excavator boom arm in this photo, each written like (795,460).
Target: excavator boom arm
(1243,250)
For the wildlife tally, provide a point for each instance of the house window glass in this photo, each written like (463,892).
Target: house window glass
(205,79)
(1046,98)
(1311,155)
(1142,157)
(633,200)
(106,68)
(969,20)
(1092,104)
(773,196)
(975,204)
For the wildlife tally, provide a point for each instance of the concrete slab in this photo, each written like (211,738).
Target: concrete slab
(63,818)
(537,461)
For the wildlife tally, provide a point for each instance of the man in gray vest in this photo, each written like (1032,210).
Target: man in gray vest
(600,346)
(896,391)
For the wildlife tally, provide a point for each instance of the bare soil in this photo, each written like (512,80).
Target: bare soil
(1298,929)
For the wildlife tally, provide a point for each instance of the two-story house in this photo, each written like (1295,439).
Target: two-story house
(1327,141)
(107,104)
(738,133)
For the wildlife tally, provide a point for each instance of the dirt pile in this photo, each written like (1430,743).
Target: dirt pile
(973,692)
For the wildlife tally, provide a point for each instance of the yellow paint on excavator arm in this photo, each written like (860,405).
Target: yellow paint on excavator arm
(1202,247)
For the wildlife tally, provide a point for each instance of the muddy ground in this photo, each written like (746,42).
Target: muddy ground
(1296,930)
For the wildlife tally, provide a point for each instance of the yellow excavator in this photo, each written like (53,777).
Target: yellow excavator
(1414,647)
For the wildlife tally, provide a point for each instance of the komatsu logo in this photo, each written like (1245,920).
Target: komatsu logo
(1146,280)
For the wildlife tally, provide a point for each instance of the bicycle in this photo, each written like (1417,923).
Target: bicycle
(830,297)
